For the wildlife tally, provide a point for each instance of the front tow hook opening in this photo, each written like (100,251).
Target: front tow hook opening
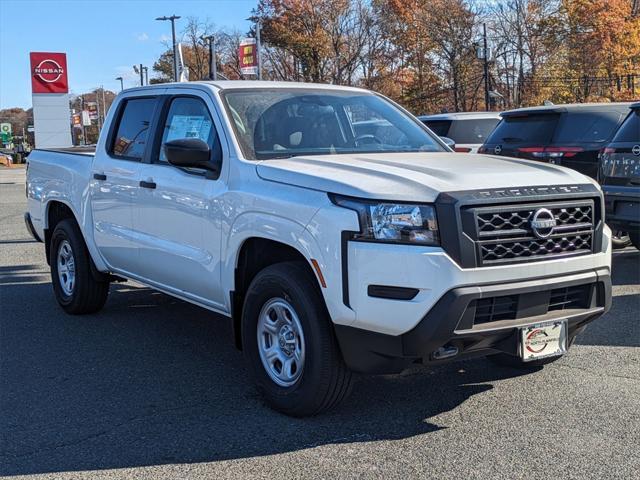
(445,352)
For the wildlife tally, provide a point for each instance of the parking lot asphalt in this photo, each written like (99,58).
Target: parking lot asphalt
(152,387)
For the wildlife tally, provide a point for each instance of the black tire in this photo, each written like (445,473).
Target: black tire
(620,239)
(87,294)
(635,239)
(324,380)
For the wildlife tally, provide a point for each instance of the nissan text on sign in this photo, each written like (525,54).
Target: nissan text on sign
(50,94)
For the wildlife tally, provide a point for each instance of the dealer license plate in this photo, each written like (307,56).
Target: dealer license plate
(543,340)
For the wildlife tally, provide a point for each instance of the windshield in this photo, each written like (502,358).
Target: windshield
(282,123)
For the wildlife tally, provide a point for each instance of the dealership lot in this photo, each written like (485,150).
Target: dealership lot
(151,387)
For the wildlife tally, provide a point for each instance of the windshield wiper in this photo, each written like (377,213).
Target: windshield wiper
(512,139)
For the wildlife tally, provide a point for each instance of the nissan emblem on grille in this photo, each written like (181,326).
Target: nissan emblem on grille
(543,223)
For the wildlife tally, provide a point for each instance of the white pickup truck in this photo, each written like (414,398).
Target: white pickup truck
(335,231)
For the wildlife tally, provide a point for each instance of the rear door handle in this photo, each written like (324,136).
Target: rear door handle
(99,176)
(145,184)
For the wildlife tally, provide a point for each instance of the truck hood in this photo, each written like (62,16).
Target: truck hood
(412,176)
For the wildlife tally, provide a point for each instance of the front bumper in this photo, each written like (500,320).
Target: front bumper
(622,207)
(450,323)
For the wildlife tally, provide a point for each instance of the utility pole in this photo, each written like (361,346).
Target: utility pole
(485,55)
(84,129)
(98,112)
(173,19)
(259,50)
(146,75)
(213,68)
(104,104)
(121,83)
(141,76)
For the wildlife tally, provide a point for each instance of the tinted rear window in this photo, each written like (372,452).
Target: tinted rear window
(588,126)
(439,127)
(630,129)
(131,138)
(472,130)
(528,129)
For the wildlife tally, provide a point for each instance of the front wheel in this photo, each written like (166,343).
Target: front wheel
(75,288)
(289,343)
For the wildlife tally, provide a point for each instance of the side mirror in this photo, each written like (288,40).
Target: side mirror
(191,153)
(449,142)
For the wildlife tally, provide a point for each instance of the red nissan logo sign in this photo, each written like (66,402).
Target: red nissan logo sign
(49,72)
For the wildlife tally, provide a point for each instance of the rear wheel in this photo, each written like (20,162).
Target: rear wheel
(75,288)
(620,239)
(289,343)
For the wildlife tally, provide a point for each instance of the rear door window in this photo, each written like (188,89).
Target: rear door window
(527,129)
(587,127)
(630,130)
(133,128)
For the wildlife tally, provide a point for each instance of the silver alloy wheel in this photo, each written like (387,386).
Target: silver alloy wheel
(66,268)
(281,342)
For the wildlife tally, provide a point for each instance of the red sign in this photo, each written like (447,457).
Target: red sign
(248,56)
(49,72)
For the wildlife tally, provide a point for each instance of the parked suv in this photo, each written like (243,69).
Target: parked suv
(567,135)
(468,130)
(620,177)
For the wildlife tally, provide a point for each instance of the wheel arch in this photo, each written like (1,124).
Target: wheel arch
(56,211)
(254,254)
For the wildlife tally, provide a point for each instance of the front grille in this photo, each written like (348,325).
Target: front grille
(504,233)
(507,307)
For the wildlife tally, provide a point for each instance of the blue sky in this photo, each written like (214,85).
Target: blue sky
(103,39)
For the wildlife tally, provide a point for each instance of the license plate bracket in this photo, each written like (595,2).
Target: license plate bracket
(543,340)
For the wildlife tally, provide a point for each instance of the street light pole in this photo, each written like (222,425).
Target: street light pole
(486,67)
(213,68)
(121,83)
(173,19)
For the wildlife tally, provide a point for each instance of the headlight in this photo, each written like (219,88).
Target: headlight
(393,222)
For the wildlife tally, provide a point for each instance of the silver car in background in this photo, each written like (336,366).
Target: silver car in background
(467,129)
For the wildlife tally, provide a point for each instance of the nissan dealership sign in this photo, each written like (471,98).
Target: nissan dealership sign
(50,94)
(49,72)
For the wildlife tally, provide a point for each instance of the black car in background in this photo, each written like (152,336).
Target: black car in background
(619,176)
(569,135)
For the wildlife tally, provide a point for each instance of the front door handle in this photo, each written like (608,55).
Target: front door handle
(99,176)
(145,184)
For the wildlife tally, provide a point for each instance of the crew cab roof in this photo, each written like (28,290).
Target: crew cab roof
(460,116)
(568,107)
(249,84)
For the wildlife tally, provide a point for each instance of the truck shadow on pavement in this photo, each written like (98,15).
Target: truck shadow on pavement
(152,380)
